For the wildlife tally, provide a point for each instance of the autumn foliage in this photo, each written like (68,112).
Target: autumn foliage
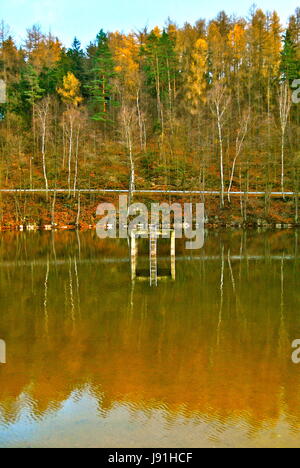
(206,107)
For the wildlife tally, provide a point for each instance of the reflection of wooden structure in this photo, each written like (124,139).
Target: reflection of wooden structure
(153,234)
(2,352)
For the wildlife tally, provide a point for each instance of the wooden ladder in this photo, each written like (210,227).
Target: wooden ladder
(153,258)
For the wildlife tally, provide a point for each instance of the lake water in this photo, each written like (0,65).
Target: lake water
(95,360)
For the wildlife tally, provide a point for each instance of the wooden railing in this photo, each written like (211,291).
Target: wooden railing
(164,192)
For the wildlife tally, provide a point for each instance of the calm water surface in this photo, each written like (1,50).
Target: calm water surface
(98,361)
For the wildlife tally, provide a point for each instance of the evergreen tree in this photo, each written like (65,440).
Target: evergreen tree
(99,85)
(290,65)
(30,86)
(73,61)
(161,68)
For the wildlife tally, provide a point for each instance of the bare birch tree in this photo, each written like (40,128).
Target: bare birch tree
(219,102)
(43,111)
(239,142)
(285,103)
(128,119)
(71,127)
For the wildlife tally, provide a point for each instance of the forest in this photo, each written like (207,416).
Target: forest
(200,107)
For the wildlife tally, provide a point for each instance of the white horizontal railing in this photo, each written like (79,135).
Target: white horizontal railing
(166,192)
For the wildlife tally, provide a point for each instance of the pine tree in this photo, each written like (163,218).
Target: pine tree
(99,86)
(73,61)
(30,85)
(290,65)
(161,68)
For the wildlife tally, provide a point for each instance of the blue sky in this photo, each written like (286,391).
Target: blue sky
(84,18)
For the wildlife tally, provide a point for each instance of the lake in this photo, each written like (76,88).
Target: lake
(94,359)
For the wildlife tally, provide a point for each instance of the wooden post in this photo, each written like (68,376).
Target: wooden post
(2,352)
(134,253)
(173,255)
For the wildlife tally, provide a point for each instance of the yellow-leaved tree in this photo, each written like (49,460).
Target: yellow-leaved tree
(237,45)
(126,55)
(70,92)
(196,79)
(273,46)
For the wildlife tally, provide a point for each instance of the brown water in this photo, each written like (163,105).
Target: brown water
(94,360)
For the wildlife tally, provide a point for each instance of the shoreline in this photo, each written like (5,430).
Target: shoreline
(208,226)
(22,213)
